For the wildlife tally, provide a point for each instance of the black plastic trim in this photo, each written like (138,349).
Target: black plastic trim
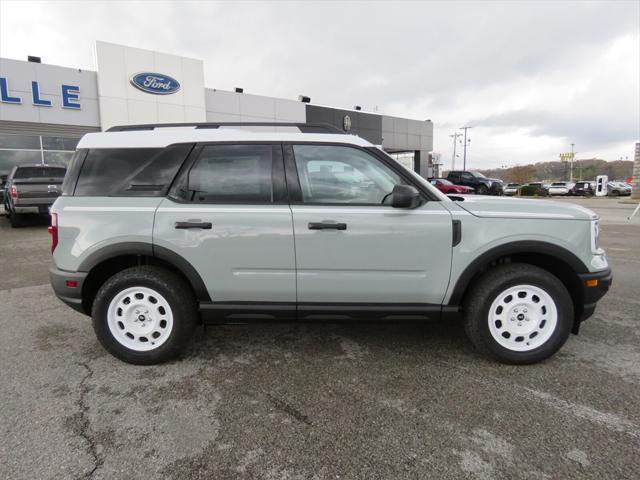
(368,311)
(287,311)
(304,127)
(267,311)
(72,296)
(512,248)
(457,232)
(592,295)
(186,268)
(147,249)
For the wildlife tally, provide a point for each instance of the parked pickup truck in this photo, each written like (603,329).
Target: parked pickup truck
(32,189)
(477,181)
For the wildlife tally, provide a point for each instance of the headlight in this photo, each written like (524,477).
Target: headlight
(595,234)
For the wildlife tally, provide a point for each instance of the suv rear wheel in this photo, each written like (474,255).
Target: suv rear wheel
(144,315)
(519,314)
(482,190)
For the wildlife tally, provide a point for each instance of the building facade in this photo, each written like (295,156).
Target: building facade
(45,109)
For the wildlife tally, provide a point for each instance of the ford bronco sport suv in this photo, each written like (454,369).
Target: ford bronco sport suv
(160,227)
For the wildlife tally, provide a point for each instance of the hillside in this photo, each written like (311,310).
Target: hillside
(556,171)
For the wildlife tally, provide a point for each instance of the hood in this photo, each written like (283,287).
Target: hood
(503,207)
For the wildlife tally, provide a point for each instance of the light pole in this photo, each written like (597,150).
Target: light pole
(464,161)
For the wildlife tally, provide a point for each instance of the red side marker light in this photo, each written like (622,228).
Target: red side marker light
(71,283)
(53,230)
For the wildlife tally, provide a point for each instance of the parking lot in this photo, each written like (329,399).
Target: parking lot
(282,401)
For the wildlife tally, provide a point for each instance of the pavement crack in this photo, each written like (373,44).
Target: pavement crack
(85,425)
(289,410)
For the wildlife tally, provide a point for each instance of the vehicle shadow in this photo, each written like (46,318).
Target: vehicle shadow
(27,220)
(347,340)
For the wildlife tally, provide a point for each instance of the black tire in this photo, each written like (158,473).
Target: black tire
(176,292)
(614,193)
(15,219)
(495,281)
(482,190)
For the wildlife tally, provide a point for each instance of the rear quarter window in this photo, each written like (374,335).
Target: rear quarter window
(127,172)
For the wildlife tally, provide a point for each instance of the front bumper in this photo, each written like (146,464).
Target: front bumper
(592,294)
(71,295)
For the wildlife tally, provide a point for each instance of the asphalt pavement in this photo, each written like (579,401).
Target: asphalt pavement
(319,401)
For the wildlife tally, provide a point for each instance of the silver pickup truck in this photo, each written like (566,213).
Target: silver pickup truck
(32,189)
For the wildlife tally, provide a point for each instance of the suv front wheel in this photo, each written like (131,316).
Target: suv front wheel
(519,314)
(144,315)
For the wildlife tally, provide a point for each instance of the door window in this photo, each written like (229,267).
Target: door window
(231,174)
(336,174)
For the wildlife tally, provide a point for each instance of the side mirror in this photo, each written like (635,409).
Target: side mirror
(405,196)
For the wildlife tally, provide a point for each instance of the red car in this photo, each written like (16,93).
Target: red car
(445,186)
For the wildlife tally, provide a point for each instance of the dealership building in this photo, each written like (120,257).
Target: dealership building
(45,109)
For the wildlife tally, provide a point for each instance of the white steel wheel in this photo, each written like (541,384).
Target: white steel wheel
(140,318)
(522,318)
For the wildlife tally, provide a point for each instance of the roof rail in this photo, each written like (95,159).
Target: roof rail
(304,127)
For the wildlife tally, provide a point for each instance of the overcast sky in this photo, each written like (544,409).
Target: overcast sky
(529,77)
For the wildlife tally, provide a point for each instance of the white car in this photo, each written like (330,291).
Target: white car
(511,189)
(560,188)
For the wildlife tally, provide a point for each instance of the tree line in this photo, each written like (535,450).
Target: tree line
(558,171)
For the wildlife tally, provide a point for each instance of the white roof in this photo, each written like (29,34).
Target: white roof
(163,136)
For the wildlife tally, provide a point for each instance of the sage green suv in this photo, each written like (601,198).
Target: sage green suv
(160,227)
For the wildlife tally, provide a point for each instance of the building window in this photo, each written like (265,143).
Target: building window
(34,150)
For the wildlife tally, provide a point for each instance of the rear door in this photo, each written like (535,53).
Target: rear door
(353,250)
(228,216)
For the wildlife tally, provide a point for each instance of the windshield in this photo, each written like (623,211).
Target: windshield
(558,184)
(477,174)
(444,181)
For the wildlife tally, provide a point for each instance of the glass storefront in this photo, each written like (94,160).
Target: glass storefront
(35,149)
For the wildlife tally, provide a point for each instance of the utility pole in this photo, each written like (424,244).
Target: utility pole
(453,158)
(465,146)
(571,174)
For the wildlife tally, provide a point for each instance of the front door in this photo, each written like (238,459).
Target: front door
(352,247)
(228,216)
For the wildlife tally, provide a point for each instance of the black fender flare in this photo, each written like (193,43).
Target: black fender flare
(149,250)
(520,247)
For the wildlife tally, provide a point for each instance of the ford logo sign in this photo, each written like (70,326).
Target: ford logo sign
(155,83)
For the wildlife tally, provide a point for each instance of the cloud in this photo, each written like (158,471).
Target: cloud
(546,73)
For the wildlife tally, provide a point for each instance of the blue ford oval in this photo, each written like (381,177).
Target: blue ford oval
(155,83)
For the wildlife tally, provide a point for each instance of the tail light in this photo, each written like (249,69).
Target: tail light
(53,230)
(14,192)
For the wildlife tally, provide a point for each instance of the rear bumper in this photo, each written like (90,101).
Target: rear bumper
(72,296)
(591,295)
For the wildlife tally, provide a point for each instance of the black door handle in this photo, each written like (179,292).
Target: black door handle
(202,225)
(327,226)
